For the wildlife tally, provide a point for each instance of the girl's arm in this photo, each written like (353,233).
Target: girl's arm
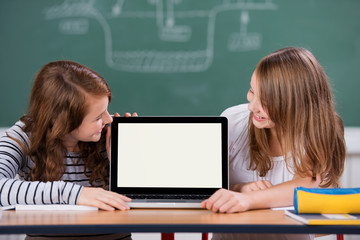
(280,195)
(251,186)
(16,191)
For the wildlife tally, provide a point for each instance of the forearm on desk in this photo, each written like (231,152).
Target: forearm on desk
(280,195)
(15,191)
(236,187)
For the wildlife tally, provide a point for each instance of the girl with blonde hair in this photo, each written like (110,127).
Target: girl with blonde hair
(287,136)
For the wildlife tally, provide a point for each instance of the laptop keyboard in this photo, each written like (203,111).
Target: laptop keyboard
(168,196)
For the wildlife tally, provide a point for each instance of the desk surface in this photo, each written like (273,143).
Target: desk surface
(157,220)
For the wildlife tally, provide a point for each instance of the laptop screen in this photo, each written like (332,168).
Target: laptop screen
(167,154)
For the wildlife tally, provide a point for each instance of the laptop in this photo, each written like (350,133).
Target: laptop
(168,162)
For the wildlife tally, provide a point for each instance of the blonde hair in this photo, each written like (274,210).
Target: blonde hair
(295,92)
(58,106)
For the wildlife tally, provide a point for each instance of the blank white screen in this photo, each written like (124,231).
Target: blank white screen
(169,155)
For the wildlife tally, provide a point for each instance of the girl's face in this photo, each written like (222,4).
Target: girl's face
(259,116)
(93,123)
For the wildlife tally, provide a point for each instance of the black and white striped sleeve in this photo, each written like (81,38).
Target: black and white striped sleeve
(14,191)
(12,156)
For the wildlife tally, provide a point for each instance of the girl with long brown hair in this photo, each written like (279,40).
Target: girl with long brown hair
(58,148)
(289,135)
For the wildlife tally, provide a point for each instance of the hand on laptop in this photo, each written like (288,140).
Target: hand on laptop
(103,199)
(108,131)
(225,201)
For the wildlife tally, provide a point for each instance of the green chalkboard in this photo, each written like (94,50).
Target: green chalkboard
(175,57)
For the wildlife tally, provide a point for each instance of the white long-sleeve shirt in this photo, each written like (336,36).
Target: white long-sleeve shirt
(239,152)
(15,167)
(239,172)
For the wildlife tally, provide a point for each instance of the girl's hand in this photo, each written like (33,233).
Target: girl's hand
(129,115)
(225,201)
(103,199)
(108,132)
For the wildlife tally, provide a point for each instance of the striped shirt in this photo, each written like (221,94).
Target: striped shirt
(15,168)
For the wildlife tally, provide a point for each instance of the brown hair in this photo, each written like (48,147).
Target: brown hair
(58,106)
(295,92)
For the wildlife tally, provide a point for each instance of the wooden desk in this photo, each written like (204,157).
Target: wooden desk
(157,220)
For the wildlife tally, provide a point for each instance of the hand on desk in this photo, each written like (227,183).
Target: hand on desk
(225,201)
(258,195)
(236,200)
(103,199)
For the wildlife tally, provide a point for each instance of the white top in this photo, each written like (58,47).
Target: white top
(239,162)
(239,155)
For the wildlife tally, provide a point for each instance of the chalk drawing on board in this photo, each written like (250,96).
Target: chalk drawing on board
(244,41)
(117,8)
(171,26)
(74,26)
(165,18)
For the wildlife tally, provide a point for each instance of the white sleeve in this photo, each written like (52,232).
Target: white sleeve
(238,117)
(239,156)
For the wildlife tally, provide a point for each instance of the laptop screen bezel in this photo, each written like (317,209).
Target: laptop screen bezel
(169,119)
